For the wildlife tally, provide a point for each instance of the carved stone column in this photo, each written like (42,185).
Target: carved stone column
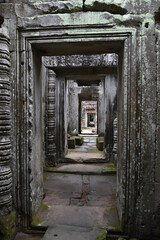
(51,119)
(5,125)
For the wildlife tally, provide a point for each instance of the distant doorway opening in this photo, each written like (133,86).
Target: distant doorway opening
(89,117)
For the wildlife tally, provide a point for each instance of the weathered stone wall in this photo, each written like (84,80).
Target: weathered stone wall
(110,107)
(138,116)
(157,162)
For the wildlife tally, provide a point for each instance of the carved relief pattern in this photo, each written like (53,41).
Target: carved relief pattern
(51,118)
(81,60)
(5,126)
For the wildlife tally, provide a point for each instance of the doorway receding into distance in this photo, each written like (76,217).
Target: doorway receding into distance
(89,117)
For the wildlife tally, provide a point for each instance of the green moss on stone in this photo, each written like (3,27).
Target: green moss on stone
(44,206)
(116,224)
(7,227)
(78,140)
(50,169)
(111,168)
(113,209)
(102,236)
(45,175)
(100,143)
(36,219)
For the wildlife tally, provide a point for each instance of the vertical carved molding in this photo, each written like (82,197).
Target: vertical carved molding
(115,138)
(5,125)
(51,119)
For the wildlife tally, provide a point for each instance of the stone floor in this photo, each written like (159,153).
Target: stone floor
(80,199)
(87,152)
(80,202)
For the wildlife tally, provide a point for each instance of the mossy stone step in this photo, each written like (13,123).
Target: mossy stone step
(100,143)
(79,140)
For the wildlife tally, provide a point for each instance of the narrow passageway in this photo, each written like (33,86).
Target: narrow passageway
(80,197)
(87,152)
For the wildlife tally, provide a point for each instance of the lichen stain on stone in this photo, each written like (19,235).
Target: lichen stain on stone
(7,227)
(102,235)
(37,217)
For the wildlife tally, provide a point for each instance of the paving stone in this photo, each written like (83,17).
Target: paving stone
(71,233)
(97,200)
(103,185)
(26,236)
(85,216)
(57,199)
(86,178)
(60,187)
(79,201)
(81,150)
(63,183)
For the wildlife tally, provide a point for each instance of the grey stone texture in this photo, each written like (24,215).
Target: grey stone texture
(79,203)
(5,125)
(131,29)
(50,110)
(68,232)
(102,60)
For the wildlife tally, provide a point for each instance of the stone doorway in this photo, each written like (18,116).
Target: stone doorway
(88,117)
(32,187)
(73,96)
(85,98)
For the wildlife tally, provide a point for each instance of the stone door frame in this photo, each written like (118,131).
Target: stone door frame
(32,44)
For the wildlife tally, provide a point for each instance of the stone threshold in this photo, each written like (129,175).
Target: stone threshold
(83,169)
(89,160)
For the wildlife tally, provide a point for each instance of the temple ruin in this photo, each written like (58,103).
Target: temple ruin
(70,69)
